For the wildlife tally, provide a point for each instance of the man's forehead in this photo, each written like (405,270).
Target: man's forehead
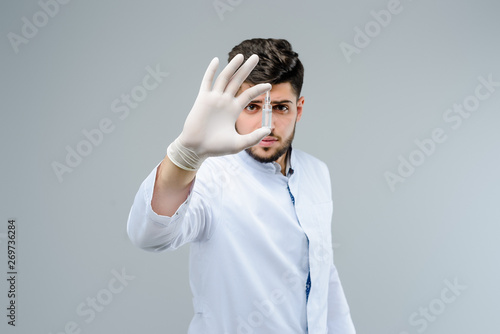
(284,89)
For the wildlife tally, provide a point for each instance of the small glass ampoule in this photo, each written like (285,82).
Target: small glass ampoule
(267,111)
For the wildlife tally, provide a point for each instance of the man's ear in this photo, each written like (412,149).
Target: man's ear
(300,104)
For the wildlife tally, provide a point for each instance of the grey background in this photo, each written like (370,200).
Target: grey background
(394,249)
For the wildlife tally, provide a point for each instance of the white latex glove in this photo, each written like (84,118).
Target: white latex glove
(209,129)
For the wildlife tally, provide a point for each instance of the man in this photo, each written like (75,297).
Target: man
(257,214)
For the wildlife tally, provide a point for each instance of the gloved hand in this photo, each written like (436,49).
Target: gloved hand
(209,129)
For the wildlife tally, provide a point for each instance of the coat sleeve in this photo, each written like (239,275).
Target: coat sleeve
(339,315)
(152,232)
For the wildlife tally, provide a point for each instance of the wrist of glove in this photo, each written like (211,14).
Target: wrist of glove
(184,157)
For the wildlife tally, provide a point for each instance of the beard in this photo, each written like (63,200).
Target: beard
(279,151)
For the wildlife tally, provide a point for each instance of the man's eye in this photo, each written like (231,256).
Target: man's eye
(252,108)
(281,108)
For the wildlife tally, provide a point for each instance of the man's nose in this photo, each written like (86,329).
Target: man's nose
(272,123)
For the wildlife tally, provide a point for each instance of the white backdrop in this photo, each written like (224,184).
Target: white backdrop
(402,100)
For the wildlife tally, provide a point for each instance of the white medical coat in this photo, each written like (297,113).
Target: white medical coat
(252,247)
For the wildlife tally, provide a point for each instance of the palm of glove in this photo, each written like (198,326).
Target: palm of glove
(209,129)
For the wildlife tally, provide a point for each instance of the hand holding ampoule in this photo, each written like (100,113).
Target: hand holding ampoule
(209,129)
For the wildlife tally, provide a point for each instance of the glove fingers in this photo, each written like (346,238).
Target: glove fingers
(227,73)
(206,82)
(241,74)
(253,138)
(251,93)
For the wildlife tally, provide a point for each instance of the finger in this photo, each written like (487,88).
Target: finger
(251,139)
(252,92)
(206,82)
(240,76)
(227,73)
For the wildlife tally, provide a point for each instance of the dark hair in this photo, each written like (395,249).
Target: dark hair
(278,63)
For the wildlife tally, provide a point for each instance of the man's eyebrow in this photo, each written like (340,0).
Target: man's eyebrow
(281,102)
(273,102)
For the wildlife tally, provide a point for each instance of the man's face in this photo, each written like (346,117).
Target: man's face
(287,110)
